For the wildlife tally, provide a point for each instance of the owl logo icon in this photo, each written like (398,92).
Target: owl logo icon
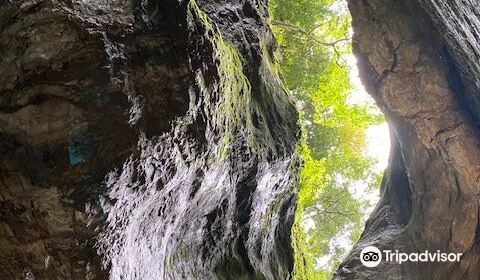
(370,256)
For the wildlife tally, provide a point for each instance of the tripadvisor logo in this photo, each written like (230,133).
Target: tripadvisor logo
(371,256)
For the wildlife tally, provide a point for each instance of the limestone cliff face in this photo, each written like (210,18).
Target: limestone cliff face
(143,140)
(420,61)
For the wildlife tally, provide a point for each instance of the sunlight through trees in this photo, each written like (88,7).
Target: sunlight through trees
(314,40)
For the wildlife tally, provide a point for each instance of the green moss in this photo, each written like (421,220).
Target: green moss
(303,268)
(228,98)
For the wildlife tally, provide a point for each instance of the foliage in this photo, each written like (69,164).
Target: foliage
(313,43)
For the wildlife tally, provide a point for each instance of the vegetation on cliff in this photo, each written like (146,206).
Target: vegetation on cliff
(314,45)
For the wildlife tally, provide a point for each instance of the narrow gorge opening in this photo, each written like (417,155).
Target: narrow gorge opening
(232,140)
(346,142)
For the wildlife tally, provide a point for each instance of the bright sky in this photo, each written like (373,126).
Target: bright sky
(378,145)
(378,136)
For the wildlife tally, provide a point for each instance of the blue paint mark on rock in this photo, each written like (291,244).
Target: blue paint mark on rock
(78,151)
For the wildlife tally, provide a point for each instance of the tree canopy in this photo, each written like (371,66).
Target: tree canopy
(314,45)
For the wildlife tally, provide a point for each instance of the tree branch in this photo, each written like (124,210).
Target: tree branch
(294,27)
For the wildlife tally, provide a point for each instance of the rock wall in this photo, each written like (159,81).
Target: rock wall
(420,62)
(143,140)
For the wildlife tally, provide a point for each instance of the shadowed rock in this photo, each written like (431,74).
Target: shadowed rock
(153,137)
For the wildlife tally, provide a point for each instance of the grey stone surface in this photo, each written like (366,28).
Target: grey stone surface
(143,140)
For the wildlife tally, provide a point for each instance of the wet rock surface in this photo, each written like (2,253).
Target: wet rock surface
(419,60)
(143,140)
